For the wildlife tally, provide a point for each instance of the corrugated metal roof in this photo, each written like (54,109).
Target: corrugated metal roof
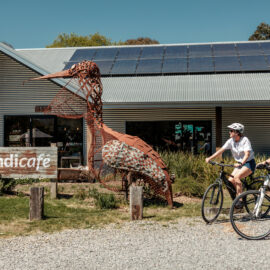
(187,88)
(211,88)
(34,66)
(52,60)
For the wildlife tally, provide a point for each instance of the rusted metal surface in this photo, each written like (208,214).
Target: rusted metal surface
(146,163)
(31,162)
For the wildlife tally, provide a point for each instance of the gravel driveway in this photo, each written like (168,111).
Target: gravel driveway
(187,244)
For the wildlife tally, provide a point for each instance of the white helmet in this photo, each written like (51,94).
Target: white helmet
(237,126)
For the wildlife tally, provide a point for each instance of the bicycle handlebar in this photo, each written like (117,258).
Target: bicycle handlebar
(220,164)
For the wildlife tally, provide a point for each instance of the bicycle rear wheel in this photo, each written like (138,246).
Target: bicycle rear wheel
(212,203)
(245,222)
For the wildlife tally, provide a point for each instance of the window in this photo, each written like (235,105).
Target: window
(40,130)
(192,136)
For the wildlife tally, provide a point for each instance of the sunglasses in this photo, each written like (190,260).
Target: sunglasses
(232,130)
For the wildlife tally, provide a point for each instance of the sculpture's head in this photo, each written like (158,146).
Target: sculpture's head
(89,88)
(84,69)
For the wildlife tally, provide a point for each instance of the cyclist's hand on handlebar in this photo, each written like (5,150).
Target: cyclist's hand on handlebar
(207,160)
(237,165)
(261,163)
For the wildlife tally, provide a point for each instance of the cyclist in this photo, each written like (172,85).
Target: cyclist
(242,152)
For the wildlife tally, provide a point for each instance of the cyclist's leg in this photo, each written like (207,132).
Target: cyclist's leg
(231,177)
(238,175)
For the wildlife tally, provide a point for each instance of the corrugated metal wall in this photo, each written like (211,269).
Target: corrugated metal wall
(19,99)
(257,125)
(117,118)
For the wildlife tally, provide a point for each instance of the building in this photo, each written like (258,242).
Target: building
(172,96)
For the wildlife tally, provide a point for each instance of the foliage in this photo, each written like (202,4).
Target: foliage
(80,194)
(262,32)
(103,200)
(141,41)
(192,174)
(7,185)
(74,40)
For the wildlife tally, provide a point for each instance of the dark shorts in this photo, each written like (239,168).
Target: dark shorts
(251,165)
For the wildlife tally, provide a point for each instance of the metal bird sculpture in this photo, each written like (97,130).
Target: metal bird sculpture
(127,154)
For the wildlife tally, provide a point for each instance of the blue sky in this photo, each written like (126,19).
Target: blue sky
(35,23)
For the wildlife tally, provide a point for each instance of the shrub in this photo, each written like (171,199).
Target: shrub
(7,185)
(188,186)
(103,200)
(192,174)
(80,194)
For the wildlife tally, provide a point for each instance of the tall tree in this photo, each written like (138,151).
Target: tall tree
(262,32)
(141,41)
(74,40)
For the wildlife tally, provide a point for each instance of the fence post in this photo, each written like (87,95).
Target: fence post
(36,203)
(136,202)
(54,189)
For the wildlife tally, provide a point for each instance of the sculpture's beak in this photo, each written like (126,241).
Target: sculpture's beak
(60,74)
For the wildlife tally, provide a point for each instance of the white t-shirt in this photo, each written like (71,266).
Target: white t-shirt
(238,148)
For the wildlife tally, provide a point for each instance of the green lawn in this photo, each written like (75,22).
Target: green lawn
(69,212)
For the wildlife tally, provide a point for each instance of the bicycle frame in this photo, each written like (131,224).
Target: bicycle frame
(230,187)
(257,208)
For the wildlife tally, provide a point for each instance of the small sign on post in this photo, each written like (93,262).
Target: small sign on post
(136,202)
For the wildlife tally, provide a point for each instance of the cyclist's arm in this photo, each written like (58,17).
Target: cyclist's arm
(245,158)
(218,153)
(264,162)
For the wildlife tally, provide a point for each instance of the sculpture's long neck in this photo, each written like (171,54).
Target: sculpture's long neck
(92,90)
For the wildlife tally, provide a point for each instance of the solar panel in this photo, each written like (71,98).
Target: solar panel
(104,66)
(148,66)
(82,54)
(175,52)
(105,54)
(200,51)
(224,50)
(152,52)
(68,65)
(249,49)
(177,59)
(124,67)
(202,64)
(178,65)
(227,63)
(253,63)
(268,59)
(265,47)
(129,53)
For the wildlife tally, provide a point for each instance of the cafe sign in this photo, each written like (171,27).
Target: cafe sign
(28,162)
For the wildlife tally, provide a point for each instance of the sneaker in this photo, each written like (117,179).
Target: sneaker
(239,205)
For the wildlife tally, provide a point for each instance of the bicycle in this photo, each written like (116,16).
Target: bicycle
(255,223)
(212,201)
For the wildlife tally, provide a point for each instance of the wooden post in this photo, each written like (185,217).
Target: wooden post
(218,127)
(36,203)
(54,192)
(136,202)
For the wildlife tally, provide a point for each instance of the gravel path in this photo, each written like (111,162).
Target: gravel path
(188,244)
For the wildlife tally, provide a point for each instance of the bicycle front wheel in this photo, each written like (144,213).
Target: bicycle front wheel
(212,203)
(245,221)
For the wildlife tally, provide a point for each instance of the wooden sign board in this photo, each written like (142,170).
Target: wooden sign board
(28,162)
